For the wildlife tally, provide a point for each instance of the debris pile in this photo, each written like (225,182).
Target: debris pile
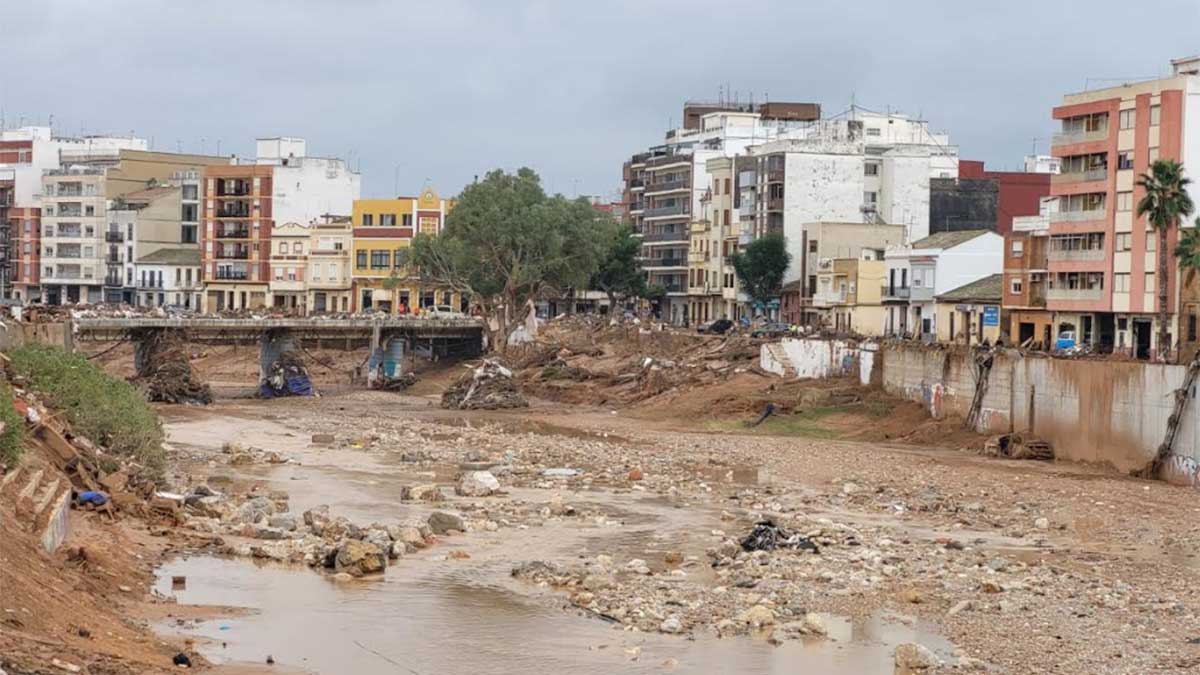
(287,377)
(164,370)
(1018,446)
(490,386)
(767,536)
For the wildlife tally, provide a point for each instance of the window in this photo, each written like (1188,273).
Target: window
(89,210)
(727,185)
(1152,155)
(189,192)
(871,169)
(1149,287)
(178,275)
(380,260)
(297,247)
(283,248)
(1127,117)
(1151,241)
(1121,283)
(812,245)
(1155,114)
(291,274)
(446,297)
(368,220)
(398,258)
(278,274)
(870,198)
(1124,240)
(716,186)
(387,220)
(1124,201)
(873,131)
(1124,160)
(1191,327)
(1016,287)
(406,220)
(333,275)
(360,260)
(1018,249)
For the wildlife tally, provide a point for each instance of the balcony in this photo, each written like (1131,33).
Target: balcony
(1079,176)
(114,237)
(830,297)
(113,258)
(660,263)
(896,292)
(668,186)
(636,183)
(774,175)
(682,235)
(665,211)
(226,212)
(232,233)
(231,275)
(114,280)
(1072,137)
(1077,216)
(232,253)
(1075,294)
(1081,255)
(152,284)
(233,189)
(775,203)
(697,257)
(64,191)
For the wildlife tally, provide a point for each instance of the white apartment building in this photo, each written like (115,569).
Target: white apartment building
(941,262)
(306,188)
(169,277)
(72,239)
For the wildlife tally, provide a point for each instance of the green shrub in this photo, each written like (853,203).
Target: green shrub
(14,428)
(106,410)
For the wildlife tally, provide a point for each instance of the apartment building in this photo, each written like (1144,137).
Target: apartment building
(289,267)
(244,199)
(918,272)
(1101,258)
(713,288)
(1025,269)
(849,295)
(664,187)
(979,198)
(74,211)
(329,282)
(383,229)
(823,242)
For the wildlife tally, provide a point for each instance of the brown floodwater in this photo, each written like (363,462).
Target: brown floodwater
(430,614)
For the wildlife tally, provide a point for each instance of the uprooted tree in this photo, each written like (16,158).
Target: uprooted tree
(760,268)
(506,242)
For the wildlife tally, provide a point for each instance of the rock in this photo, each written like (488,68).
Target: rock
(342,576)
(814,624)
(1042,523)
(583,598)
(442,522)
(670,625)
(673,558)
(636,474)
(359,558)
(473,456)
(912,658)
(969,663)
(380,538)
(757,617)
(425,493)
(990,587)
(458,555)
(912,596)
(406,534)
(63,665)
(850,488)
(997,564)
(323,439)
(598,582)
(477,484)
(959,608)
(283,521)
(560,473)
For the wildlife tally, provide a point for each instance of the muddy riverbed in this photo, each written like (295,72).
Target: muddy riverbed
(919,546)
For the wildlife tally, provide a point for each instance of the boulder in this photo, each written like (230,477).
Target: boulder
(283,521)
(477,484)
(914,659)
(379,538)
(425,493)
(406,534)
(359,558)
(442,522)
(757,617)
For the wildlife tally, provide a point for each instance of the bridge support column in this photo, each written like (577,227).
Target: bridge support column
(271,345)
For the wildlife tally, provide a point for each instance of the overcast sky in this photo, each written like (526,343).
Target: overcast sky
(447,89)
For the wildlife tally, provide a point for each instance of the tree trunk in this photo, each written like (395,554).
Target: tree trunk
(612,303)
(1163,259)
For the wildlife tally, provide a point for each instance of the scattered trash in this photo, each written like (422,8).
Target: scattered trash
(182,660)
(178,583)
(165,370)
(768,410)
(1018,446)
(91,497)
(560,473)
(323,439)
(488,387)
(767,536)
(286,377)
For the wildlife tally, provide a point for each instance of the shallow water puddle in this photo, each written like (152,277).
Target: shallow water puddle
(425,618)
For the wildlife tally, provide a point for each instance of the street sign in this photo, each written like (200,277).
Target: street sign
(991,315)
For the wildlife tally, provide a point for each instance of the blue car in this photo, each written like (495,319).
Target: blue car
(1065,341)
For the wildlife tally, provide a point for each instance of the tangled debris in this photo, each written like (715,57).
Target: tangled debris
(490,386)
(767,536)
(1018,446)
(164,370)
(287,377)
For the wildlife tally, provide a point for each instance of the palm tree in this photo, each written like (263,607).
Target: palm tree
(1164,204)
(1187,251)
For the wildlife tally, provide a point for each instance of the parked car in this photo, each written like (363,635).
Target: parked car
(771,329)
(444,312)
(1066,340)
(717,327)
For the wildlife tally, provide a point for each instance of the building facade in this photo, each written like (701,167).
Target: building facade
(383,231)
(74,211)
(1102,258)
(823,242)
(849,297)
(971,314)
(917,273)
(169,277)
(1024,293)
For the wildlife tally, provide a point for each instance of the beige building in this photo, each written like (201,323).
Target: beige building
(849,296)
(713,290)
(824,242)
(310,267)
(971,314)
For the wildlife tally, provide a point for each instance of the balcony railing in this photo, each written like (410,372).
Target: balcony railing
(114,280)
(668,185)
(830,297)
(1077,216)
(1091,254)
(775,204)
(150,283)
(114,237)
(233,213)
(682,235)
(664,262)
(1075,294)
(1071,137)
(233,189)
(1079,176)
(232,275)
(233,253)
(697,257)
(233,233)
(897,292)
(112,257)
(677,210)
(774,175)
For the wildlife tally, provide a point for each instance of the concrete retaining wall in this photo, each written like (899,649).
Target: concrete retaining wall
(1096,411)
(15,334)
(814,359)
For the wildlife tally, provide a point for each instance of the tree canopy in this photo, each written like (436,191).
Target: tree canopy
(760,268)
(506,242)
(1164,204)
(619,273)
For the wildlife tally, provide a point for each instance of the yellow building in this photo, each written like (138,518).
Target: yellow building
(383,229)
(849,295)
(971,314)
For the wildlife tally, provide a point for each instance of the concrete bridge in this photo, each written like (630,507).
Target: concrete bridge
(390,338)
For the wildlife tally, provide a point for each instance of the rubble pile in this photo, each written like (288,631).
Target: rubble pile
(287,376)
(165,370)
(490,386)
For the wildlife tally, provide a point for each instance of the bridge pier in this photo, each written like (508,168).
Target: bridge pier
(386,361)
(272,344)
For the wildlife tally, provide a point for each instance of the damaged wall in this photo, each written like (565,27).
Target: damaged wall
(16,334)
(813,359)
(1110,412)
